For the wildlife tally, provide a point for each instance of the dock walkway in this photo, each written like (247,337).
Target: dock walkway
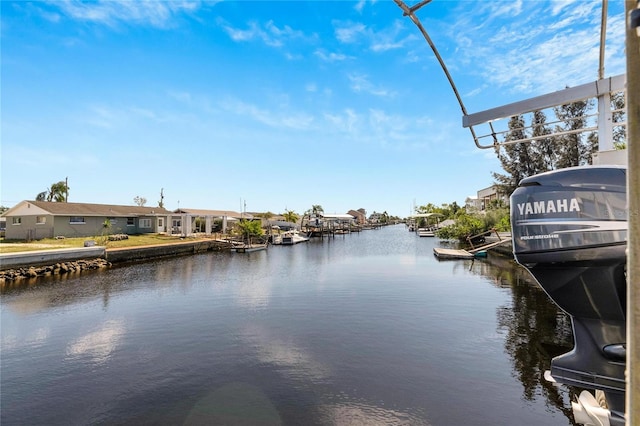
(445,253)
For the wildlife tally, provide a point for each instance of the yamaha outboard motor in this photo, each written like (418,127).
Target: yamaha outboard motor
(569,229)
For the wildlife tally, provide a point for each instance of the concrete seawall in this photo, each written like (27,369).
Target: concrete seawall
(115,255)
(132,254)
(49,257)
(33,264)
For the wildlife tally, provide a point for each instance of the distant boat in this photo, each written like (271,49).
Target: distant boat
(290,238)
(427,232)
(248,248)
(430,224)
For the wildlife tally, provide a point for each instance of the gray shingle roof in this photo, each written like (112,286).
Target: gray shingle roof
(84,209)
(218,213)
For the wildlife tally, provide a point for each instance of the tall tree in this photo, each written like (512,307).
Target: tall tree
(427,208)
(619,116)
(574,149)
(290,216)
(545,147)
(517,159)
(161,202)
(57,192)
(140,201)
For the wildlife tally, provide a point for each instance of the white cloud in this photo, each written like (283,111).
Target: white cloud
(361,83)
(112,12)
(269,33)
(330,57)
(539,48)
(281,119)
(389,38)
(349,32)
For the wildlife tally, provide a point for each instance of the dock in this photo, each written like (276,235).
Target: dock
(445,253)
(489,245)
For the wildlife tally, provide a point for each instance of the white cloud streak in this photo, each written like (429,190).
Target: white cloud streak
(268,33)
(113,12)
(360,83)
(535,47)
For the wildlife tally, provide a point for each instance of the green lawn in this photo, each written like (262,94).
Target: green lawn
(13,246)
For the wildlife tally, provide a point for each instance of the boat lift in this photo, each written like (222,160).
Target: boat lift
(586,410)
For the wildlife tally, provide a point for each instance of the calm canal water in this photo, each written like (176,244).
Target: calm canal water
(364,329)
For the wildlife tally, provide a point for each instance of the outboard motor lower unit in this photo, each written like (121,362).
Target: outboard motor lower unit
(569,229)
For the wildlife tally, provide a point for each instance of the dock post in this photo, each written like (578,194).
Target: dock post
(633,199)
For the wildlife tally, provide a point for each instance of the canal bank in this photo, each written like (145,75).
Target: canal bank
(33,264)
(370,328)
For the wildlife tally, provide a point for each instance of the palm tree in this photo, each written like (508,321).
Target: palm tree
(315,210)
(385,217)
(57,192)
(290,216)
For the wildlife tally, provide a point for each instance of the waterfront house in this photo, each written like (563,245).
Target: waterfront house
(360,216)
(472,204)
(488,196)
(34,220)
(187,221)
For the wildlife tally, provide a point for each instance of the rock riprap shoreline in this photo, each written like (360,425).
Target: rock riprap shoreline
(59,268)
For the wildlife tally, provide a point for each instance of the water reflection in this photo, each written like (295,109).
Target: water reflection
(367,329)
(98,345)
(536,330)
(289,359)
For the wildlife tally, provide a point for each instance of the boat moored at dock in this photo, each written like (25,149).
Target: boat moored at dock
(290,238)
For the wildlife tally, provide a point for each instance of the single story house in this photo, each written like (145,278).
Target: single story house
(34,220)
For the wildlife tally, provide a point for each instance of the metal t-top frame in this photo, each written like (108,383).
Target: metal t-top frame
(600,89)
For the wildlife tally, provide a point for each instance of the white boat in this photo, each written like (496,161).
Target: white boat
(430,224)
(248,248)
(290,238)
(426,232)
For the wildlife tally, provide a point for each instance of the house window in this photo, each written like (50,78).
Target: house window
(17,220)
(76,220)
(131,221)
(41,220)
(145,223)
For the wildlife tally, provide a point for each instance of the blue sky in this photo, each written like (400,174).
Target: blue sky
(279,105)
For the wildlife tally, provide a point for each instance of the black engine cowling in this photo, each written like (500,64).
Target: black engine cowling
(569,229)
